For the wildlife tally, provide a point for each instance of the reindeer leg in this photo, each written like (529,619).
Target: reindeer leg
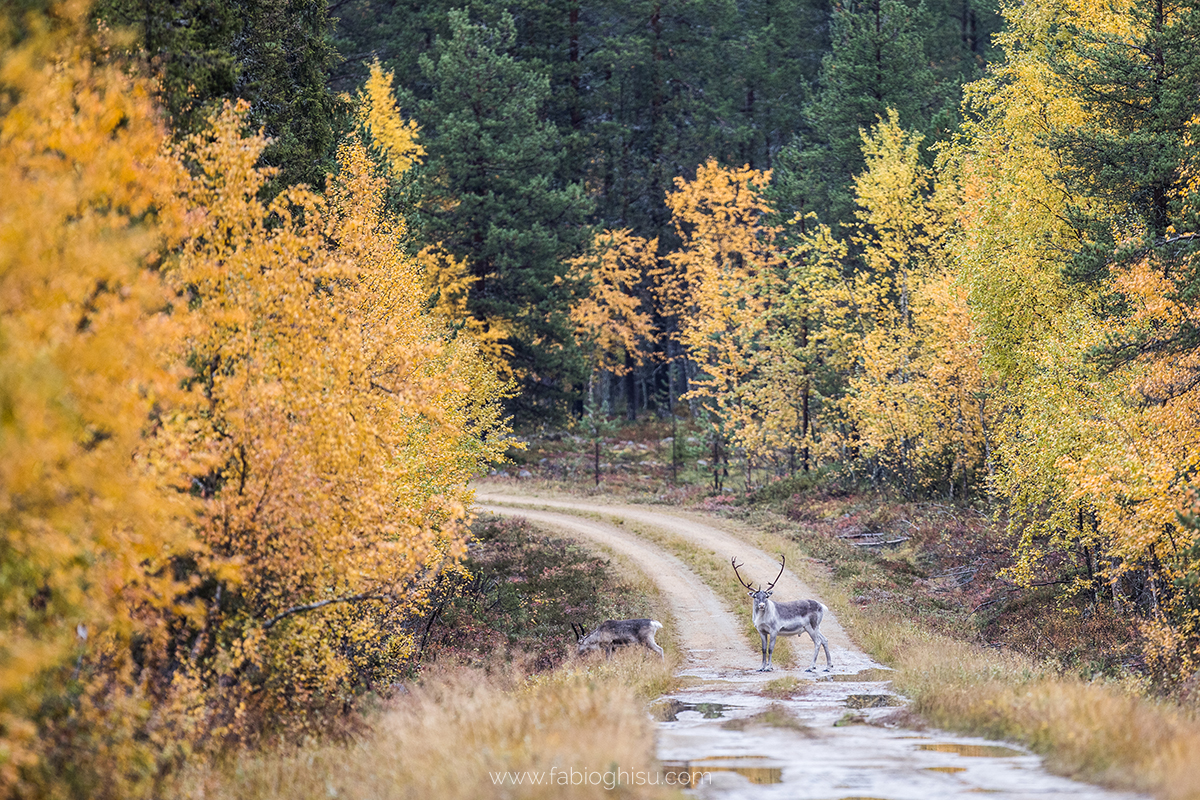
(770,652)
(653,645)
(828,660)
(816,637)
(765,659)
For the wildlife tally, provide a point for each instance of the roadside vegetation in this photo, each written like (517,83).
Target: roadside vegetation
(461,731)
(496,691)
(924,587)
(977,654)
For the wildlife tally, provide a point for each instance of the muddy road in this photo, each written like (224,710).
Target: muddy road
(836,742)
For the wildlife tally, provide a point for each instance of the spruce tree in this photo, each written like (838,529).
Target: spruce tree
(276,55)
(1140,96)
(775,59)
(1131,166)
(492,198)
(877,61)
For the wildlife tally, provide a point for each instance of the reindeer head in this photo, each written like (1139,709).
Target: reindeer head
(585,642)
(759,595)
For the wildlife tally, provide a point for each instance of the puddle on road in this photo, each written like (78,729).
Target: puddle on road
(974,750)
(691,773)
(669,710)
(873,701)
(866,676)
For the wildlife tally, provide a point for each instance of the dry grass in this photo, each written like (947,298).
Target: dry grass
(1108,732)
(1103,732)
(785,688)
(454,734)
(458,731)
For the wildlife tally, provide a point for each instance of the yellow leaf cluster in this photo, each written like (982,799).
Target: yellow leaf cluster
(84,529)
(719,283)
(447,280)
(340,420)
(380,115)
(915,393)
(1094,456)
(613,317)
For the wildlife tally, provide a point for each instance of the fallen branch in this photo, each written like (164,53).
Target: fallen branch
(987,603)
(1010,589)
(956,572)
(357,598)
(881,544)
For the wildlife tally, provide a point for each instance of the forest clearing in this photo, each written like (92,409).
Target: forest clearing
(359,359)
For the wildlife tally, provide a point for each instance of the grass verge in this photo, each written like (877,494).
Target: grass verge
(501,701)
(470,733)
(1065,680)
(1103,732)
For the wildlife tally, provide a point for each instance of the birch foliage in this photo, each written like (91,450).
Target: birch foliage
(719,284)
(236,436)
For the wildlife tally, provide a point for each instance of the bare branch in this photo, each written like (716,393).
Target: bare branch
(881,544)
(357,598)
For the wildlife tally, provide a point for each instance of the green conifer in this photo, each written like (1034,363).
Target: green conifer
(492,198)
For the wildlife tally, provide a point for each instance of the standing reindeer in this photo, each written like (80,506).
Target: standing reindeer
(615,633)
(785,619)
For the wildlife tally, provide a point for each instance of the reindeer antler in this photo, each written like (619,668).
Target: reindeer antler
(733,561)
(577,631)
(781,563)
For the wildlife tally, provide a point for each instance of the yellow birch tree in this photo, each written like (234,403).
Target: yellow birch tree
(340,420)
(87,531)
(917,392)
(718,287)
(612,316)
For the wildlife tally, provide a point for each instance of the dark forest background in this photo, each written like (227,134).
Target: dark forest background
(545,122)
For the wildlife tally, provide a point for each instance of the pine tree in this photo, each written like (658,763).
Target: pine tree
(776,59)
(1137,86)
(493,199)
(276,55)
(877,62)
(959,37)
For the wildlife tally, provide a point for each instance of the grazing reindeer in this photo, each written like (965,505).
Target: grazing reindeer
(615,633)
(785,619)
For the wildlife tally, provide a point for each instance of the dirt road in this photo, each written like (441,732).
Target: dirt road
(836,745)
(706,632)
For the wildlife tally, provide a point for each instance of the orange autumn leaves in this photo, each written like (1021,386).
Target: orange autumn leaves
(756,321)
(214,412)
(88,519)
(339,419)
